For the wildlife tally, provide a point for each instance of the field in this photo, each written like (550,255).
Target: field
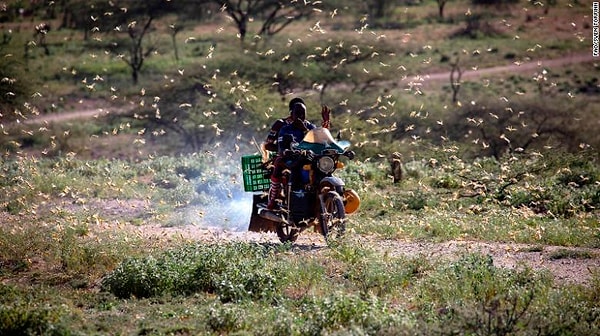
(122,210)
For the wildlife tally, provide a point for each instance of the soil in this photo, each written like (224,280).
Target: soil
(572,265)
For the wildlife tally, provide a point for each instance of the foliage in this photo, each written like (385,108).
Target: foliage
(16,85)
(521,125)
(233,272)
(514,160)
(23,320)
(493,2)
(380,277)
(472,295)
(275,15)
(466,294)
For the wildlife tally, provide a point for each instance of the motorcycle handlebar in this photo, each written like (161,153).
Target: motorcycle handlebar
(311,155)
(294,152)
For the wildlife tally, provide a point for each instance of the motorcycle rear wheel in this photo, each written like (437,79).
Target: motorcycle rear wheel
(287,233)
(333,218)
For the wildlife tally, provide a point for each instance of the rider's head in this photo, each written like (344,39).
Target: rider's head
(298,111)
(295,101)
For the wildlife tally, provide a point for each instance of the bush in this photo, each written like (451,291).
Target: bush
(21,319)
(446,181)
(386,277)
(416,200)
(342,312)
(233,272)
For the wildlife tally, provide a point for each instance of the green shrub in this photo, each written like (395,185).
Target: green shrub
(383,277)
(224,319)
(235,271)
(342,313)
(471,278)
(416,200)
(21,319)
(446,181)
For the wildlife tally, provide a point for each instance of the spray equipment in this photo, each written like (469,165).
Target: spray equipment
(262,150)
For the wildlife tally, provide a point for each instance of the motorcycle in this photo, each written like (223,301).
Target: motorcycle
(312,197)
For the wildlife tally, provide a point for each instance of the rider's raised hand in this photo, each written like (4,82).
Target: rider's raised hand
(325,114)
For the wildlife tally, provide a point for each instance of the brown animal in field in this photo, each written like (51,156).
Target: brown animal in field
(396,165)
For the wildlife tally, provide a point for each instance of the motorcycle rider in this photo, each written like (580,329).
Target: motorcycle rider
(270,143)
(290,132)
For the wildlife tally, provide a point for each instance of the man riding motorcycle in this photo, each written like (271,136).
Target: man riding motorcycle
(270,143)
(288,130)
(289,133)
(303,189)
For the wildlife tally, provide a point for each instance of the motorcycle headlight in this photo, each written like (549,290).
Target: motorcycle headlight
(326,164)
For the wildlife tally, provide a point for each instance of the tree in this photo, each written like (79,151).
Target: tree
(137,52)
(500,127)
(89,16)
(455,75)
(41,31)
(130,18)
(275,14)
(377,8)
(199,123)
(174,29)
(441,5)
(135,18)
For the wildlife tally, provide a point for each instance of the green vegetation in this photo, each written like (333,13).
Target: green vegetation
(95,210)
(250,288)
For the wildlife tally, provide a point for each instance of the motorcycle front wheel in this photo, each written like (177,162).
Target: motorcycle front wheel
(333,216)
(287,233)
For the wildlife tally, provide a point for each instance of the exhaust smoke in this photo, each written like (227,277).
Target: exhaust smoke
(219,199)
(231,214)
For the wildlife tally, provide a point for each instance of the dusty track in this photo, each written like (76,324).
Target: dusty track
(579,268)
(567,270)
(516,67)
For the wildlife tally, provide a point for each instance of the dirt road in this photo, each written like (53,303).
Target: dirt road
(565,264)
(527,67)
(577,269)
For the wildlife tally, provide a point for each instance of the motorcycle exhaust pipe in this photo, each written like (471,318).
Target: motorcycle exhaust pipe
(270,215)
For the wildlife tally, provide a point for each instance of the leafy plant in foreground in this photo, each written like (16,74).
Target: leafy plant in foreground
(18,316)
(233,271)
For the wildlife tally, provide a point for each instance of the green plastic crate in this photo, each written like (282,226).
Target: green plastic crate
(256,177)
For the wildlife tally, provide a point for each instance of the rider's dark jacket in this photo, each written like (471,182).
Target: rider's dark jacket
(271,141)
(296,133)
